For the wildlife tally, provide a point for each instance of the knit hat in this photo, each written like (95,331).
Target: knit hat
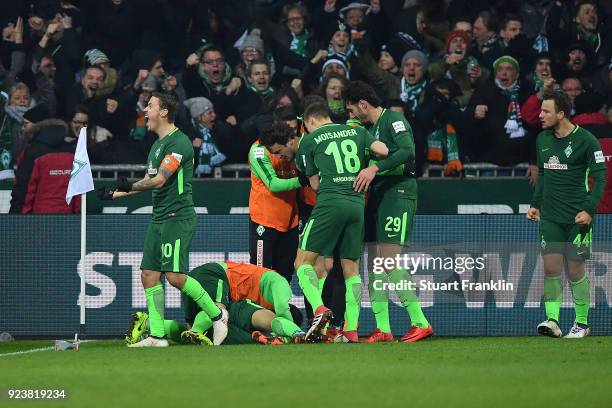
(198,106)
(253,40)
(333,28)
(355,5)
(464,35)
(37,113)
(399,45)
(418,55)
(336,59)
(95,56)
(509,60)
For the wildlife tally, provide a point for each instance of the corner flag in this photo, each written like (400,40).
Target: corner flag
(81,179)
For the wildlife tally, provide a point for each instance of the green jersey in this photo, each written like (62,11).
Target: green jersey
(337,153)
(565,164)
(396,172)
(173,200)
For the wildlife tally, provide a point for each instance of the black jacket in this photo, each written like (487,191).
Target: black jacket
(47,136)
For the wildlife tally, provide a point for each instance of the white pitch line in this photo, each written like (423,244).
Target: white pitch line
(37,350)
(16,353)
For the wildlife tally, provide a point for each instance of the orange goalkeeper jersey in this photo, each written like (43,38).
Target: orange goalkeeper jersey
(244,282)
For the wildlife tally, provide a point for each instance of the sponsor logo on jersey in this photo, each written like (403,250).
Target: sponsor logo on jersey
(258,153)
(599,157)
(554,164)
(151,171)
(568,151)
(399,126)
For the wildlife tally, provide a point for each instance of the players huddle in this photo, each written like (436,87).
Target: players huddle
(242,303)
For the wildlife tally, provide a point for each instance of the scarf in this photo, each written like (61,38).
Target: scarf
(336,107)
(411,93)
(443,136)
(540,44)
(227,75)
(349,53)
(269,90)
(487,45)
(539,84)
(16,112)
(209,155)
(514,122)
(591,38)
(299,43)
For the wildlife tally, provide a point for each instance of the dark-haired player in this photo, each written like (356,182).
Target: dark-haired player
(565,206)
(331,156)
(391,206)
(168,239)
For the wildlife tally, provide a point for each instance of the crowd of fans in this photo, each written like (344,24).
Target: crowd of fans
(468,75)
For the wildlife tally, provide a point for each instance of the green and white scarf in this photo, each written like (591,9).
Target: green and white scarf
(269,90)
(299,43)
(411,93)
(514,122)
(217,87)
(539,84)
(209,155)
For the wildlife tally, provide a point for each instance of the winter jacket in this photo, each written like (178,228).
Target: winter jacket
(47,137)
(490,142)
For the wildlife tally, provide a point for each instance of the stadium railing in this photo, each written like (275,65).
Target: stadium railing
(237,171)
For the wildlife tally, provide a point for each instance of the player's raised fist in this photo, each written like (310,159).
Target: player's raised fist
(533,214)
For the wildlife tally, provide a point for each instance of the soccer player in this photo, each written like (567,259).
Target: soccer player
(273,225)
(331,156)
(166,248)
(391,206)
(229,282)
(565,206)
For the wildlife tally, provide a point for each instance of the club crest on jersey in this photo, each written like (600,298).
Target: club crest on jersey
(568,151)
(554,164)
(377,135)
(260,230)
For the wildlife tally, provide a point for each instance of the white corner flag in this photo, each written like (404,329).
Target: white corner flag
(81,179)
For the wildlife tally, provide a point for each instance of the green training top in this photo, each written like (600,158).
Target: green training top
(396,172)
(262,168)
(173,200)
(565,164)
(337,153)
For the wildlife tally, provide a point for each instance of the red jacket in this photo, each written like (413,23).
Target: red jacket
(48,184)
(530,111)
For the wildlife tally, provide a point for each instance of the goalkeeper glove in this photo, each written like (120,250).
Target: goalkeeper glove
(105,193)
(122,184)
(304,180)
(453,167)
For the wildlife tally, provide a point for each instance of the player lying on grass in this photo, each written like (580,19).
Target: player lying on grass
(565,206)
(230,281)
(248,323)
(331,156)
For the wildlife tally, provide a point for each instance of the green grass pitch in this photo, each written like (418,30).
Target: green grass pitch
(441,372)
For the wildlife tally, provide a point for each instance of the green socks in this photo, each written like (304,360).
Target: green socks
(194,290)
(173,329)
(581,292)
(553,294)
(285,327)
(155,305)
(408,298)
(309,283)
(353,302)
(379,302)
(201,323)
